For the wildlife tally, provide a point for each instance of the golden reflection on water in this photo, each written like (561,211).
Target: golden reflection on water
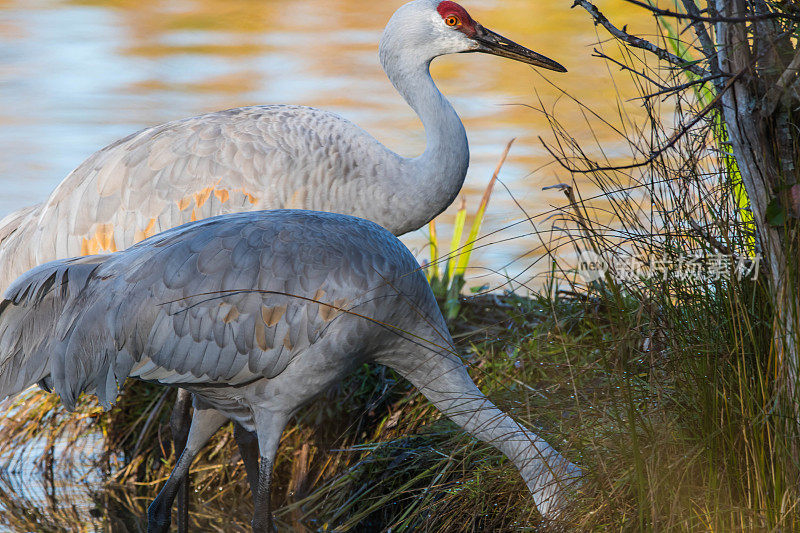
(76,75)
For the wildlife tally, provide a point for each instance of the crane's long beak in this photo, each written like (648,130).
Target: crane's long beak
(492,43)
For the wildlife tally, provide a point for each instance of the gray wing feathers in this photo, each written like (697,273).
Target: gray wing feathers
(222,301)
(11,222)
(213,329)
(266,157)
(242,294)
(15,245)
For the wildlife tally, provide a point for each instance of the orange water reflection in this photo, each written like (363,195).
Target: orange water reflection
(75,75)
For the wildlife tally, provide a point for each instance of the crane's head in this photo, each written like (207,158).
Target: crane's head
(431,28)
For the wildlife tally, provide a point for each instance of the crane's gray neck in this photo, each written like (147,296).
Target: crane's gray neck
(432,180)
(442,378)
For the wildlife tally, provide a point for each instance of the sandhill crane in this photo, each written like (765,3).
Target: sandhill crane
(255,313)
(269,157)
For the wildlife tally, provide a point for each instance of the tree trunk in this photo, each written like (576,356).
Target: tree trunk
(766,161)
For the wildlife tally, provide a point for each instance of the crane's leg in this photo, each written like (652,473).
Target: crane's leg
(179,422)
(248,449)
(205,423)
(269,426)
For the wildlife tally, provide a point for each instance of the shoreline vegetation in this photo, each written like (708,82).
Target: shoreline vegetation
(601,384)
(673,391)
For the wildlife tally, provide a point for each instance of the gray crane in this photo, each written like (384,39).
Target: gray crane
(268,157)
(255,314)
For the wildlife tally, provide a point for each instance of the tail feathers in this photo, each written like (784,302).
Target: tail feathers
(88,361)
(68,276)
(29,316)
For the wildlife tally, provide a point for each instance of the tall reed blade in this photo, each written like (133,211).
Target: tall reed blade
(463,259)
(455,244)
(433,241)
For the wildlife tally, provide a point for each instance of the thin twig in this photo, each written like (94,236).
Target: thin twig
(710,239)
(678,88)
(773,96)
(715,19)
(638,42)
(600,55)
(709,50)
(657,153)
(580,217)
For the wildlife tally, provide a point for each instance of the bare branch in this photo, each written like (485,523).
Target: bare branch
(681,87)
(716,19)
(638,42)
(678,135)
(773,96)
(623,66)
(715,243)
(709,50)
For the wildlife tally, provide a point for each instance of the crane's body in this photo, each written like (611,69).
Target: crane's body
(245,159)
(256,313)
(219,302)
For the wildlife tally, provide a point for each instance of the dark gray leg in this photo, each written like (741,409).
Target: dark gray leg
(205,423)
(179,422)
(269,426)
(262,518)
(248,449)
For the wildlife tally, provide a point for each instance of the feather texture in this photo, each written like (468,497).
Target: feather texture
(245,159)
(205,320)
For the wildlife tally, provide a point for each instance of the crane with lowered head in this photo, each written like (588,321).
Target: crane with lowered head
(255,313)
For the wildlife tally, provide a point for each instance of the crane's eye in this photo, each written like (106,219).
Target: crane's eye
(452,20)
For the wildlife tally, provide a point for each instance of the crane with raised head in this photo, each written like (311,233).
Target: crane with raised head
(268,157)
(255,314)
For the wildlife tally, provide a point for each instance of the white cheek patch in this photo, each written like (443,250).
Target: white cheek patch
(447,40)
(437,22)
